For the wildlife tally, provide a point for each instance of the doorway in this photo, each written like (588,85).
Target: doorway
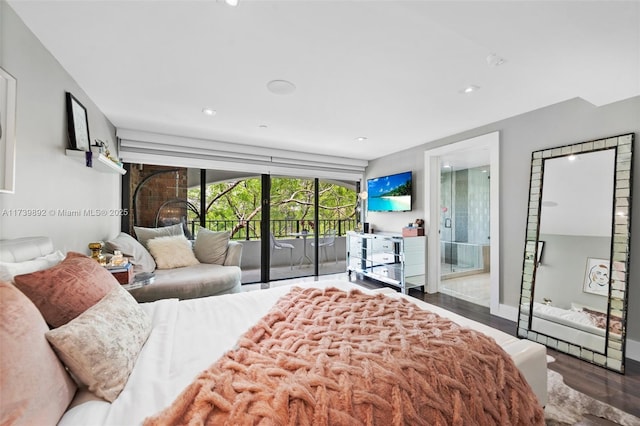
(451,255)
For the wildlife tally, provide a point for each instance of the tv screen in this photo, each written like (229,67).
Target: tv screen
(389,193)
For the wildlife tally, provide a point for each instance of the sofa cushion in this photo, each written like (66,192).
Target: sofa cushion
(192,282)
(145,234)
(101,345)
(211,247)
(36,387)
(172,252)
(139,257)
(66,290)
(8,270)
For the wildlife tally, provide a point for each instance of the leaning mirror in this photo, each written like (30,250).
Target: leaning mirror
(576,260)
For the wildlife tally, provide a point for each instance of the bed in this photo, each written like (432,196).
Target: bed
(191,339)
(581,325)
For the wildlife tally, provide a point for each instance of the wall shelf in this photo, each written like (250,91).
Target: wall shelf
(99,162)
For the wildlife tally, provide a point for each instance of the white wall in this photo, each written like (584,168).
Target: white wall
(46,179)
(564,123)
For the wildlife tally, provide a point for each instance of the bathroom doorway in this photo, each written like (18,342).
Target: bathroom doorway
(461,179)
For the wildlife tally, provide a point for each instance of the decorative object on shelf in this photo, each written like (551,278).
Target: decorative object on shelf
(96,252)
(415,229)
(103,148)
(7,130)
(78,124)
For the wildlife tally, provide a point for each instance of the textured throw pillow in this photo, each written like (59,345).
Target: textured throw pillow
(100,347)
(66,290)
(172,252)
(8,270)
(36,388)
(139,257)
(211,247)
(145,234)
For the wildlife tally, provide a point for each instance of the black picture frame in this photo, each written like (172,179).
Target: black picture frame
(78,124)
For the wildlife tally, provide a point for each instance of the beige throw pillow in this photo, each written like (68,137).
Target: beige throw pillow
(144,235)
(100,347)
(172,252)
(211,247)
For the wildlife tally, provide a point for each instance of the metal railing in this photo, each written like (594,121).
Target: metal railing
(250,229)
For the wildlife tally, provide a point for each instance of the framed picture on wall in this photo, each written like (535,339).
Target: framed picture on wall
(8,86)
(596,276)
(78,124)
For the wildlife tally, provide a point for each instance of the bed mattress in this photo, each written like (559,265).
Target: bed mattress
(188,336)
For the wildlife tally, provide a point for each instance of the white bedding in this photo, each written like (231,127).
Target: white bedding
(190,335)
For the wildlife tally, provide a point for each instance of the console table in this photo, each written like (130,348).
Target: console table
(390,258)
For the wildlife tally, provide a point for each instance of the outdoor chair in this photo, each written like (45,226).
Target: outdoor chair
(328,240)
(278,245)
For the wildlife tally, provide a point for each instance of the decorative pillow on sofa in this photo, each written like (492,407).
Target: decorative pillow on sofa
(145,234)
(36,388)
(139,257)
(8,270)
(172,252)
(211,247)
(66,290)
(101,346)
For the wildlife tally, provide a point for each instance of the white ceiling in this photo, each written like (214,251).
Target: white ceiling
(391,71)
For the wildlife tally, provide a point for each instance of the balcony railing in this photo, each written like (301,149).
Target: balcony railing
(250,229)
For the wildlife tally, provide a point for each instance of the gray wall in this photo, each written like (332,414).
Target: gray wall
(564,123)
(45,177)
(561,272)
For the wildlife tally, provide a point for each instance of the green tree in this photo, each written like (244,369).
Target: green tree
(237,203)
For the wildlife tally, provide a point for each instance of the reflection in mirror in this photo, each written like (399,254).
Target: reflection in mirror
(577,251)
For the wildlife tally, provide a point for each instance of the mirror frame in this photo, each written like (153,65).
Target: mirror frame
(613,356)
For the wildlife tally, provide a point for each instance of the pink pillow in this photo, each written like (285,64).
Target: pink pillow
(66,290)
(35,387)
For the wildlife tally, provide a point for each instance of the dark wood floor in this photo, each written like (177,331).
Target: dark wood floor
(619,390)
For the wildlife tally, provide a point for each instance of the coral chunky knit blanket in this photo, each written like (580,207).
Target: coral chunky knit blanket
(330,357)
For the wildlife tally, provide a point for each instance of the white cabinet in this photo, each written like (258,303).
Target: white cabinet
(388,258)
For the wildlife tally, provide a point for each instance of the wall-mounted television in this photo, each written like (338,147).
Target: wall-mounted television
(390,193)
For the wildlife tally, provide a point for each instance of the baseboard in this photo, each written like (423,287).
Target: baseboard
(633,349)
(507,312)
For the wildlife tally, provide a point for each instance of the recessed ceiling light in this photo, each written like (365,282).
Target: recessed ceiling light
(208,111)
(281,87)
(494,60)
(446,166)
(361,138)
(470,89)
(572,157)
(231,2)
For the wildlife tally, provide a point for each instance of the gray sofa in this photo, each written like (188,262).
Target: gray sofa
(189,282)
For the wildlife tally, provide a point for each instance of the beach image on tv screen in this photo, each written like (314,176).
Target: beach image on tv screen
(390,193)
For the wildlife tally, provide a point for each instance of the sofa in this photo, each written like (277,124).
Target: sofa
(210,265)
(214,268)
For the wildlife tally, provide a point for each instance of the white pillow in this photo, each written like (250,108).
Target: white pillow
(8,270)
(172,252)
(211,247)
(101,345)
(134,250)
(145,234)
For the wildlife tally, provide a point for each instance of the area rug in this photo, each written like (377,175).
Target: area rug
(567,406)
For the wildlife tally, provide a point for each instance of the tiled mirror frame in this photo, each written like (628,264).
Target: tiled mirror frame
(613,357)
